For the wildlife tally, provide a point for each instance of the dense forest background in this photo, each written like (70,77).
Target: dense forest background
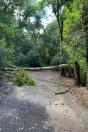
(26,42)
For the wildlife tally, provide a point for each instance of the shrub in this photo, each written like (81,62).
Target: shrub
(30,82)
(60,58)
(33,59)
(2,57)
(21,78)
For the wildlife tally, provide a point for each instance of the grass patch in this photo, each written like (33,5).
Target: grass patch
(21,78)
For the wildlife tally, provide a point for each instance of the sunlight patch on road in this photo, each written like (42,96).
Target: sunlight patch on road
(22,94)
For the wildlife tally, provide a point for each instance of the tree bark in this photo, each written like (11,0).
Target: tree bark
(60,20)
(77,73)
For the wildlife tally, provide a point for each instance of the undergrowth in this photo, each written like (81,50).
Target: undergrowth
(21,78)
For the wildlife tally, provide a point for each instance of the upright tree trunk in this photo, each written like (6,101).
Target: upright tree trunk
(77,73)
(85,25)
(60,24)
(57,11)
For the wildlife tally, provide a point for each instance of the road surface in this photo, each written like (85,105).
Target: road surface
(38,109)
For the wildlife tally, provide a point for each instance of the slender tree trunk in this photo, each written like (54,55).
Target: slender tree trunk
(60,24)
(57,12)
(77,73)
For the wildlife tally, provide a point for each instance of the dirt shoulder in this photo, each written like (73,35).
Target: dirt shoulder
(80,92)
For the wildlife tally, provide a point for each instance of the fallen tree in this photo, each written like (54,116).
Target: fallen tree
(72,69)
(12,68)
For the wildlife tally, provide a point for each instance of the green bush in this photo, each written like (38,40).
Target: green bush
(21,78)
(60,58)
(30,81)
(2,57)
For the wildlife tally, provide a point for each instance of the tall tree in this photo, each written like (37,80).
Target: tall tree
(85,26)
(58,7)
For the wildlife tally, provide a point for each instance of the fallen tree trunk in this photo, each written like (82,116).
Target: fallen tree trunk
(41,68)
(31,69)
(75,67)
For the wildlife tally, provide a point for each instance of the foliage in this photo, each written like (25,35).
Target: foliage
(24,41)
(60,58)
(74,41)
(21,78)
(50,43)
(2,57)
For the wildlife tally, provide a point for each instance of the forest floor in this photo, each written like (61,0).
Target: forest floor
(38,109)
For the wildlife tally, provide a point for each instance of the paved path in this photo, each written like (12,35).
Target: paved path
(38,109)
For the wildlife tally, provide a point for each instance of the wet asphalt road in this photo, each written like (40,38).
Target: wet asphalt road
(22,116)
(22,109)
(37,109)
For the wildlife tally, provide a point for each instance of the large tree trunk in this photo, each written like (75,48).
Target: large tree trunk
(85,25)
